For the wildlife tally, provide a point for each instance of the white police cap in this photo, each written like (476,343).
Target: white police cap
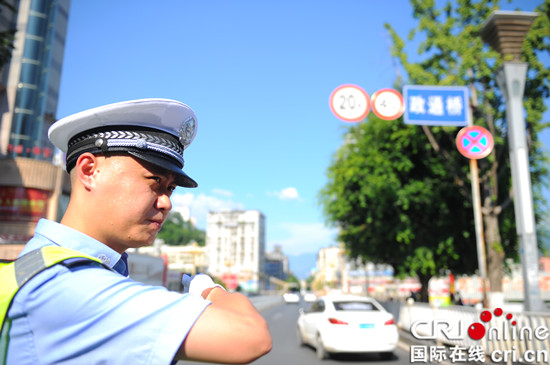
(153,130)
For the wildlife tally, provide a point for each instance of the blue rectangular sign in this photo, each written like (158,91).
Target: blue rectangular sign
(436,105)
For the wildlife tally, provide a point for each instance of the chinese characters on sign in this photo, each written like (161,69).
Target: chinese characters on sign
(436,105)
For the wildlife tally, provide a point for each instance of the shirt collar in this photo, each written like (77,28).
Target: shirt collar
(48,232)
(122,265)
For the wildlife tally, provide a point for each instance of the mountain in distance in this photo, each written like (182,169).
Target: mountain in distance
(301,265)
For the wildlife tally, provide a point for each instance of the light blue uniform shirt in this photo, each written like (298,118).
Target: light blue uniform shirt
(91,315)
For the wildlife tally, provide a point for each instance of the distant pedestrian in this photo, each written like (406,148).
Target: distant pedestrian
(457,300)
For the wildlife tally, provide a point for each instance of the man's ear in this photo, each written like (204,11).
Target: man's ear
(85,168)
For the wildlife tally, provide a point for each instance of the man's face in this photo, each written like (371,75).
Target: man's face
(134,198)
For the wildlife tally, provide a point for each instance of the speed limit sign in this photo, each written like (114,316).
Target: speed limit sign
(387,104)
(349,103)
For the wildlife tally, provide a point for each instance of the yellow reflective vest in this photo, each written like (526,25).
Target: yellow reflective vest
(15,274)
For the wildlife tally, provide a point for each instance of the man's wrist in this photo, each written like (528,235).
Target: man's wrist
(198,284)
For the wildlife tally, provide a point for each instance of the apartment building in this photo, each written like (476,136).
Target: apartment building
(235,245)
(329,267)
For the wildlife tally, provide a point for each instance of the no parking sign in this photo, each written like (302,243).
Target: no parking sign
(474,142)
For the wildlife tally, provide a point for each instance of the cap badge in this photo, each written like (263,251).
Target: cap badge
(187,131)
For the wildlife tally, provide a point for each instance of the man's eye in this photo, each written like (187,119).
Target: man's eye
(156,178)
(171,188)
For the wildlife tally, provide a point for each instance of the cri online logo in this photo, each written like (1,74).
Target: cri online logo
(476,331)
(453,330)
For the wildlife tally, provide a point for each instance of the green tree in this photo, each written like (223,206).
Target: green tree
(7,36)
(414,200)
(176,231)
(394,202)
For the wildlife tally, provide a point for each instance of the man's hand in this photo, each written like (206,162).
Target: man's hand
(197,284)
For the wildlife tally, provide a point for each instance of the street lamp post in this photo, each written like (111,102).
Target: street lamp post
(505,31)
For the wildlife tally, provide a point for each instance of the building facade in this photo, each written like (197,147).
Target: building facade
(276,263)
(188,259)
(31,186)
(276,268)
(338,272)
(235,244)
(329,267)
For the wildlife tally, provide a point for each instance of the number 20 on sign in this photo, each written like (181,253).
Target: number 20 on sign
(350,103)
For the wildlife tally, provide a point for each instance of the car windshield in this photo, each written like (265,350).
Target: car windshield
(354,306)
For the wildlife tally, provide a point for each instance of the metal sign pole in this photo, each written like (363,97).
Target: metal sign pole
(480,238)
(478,221)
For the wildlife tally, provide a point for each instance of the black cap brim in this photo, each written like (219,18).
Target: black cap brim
(181,178)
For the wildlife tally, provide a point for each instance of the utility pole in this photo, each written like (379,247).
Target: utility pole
(505,31)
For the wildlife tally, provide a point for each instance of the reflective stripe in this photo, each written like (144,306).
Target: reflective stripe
(7,292)
(7,289)
(27,266)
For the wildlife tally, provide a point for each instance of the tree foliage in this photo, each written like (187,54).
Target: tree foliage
(402,194)
(394,201)
(176,231)
(7,36)
(291,278)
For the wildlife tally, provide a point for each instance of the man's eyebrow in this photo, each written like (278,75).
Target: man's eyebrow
(158,171)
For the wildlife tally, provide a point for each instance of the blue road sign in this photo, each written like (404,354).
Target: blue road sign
(436,105)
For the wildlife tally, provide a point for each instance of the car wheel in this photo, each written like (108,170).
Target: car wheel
(301,341)
(322,354)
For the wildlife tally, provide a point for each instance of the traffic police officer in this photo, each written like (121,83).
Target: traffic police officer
(125,160)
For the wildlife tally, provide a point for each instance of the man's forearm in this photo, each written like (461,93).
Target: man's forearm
(235,302)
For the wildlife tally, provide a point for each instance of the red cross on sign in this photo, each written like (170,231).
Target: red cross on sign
(474,142)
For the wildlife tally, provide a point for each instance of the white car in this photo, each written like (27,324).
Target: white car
(347,324)
(309,297)
(291,297)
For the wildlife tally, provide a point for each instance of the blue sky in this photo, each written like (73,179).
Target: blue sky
(258,75)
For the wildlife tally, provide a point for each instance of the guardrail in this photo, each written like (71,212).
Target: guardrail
(504,335)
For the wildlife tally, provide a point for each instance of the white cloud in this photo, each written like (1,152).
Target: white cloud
(222,192)
(305,238)
(286,194)
(200,205)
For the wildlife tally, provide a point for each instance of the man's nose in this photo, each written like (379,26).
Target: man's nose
(164,202)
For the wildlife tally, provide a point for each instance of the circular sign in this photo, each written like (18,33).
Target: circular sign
(387,104)
(349,103)
(474,142)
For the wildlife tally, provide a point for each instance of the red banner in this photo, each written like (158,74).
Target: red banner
(19,204)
